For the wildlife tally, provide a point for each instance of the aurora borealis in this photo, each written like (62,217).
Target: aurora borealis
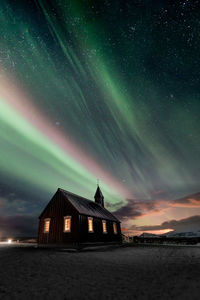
(100,89)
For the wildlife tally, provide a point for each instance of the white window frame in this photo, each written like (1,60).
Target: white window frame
(104,222)
(115,227)
(65,218)
(45,220)
(90,231)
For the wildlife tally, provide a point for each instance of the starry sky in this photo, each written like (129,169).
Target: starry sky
(100,89)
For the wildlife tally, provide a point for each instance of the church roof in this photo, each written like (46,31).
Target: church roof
(87,207)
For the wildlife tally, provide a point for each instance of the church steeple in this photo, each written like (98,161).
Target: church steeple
(99,196)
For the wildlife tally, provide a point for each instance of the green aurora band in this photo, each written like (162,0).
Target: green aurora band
(76,83)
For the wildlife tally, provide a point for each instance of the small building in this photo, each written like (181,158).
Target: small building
(69,219)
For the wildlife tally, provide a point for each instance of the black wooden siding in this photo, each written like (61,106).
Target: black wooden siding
(57,209)
(98,235)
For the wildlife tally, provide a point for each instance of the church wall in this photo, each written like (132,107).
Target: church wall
(56,210)
(97,235)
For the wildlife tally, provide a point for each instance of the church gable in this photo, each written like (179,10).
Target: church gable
(58,205)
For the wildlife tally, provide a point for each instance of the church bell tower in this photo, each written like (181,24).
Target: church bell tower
(99,196)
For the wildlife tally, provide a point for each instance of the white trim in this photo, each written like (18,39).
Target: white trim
(104,232)
(115,227)
(44,228)
(67,218)
(90,231)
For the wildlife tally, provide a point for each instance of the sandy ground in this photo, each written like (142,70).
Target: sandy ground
(140,272)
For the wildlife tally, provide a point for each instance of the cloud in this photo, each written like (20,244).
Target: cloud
(135,208)
(1,203)
(18,226)
(113,206)
(13,201)
(127,211)
(186,224)
(189,201)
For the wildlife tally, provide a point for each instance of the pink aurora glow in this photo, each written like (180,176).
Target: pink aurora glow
(19,100)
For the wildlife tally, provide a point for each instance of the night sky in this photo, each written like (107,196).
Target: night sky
(101,89)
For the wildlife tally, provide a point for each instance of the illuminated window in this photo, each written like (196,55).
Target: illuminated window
(90,224)
(67,224)
(104,226)
(46,225)
(115,228)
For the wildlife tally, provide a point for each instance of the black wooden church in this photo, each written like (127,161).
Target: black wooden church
(69,219)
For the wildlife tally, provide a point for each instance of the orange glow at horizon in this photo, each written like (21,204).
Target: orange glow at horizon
(161,231)
(138,232)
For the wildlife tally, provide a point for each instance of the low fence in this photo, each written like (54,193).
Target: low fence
(166,240)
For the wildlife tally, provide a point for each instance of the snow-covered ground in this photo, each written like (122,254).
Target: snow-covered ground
(141,272)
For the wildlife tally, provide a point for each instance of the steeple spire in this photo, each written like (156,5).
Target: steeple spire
(99,196)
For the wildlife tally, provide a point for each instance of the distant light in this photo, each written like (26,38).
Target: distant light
(9,241)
